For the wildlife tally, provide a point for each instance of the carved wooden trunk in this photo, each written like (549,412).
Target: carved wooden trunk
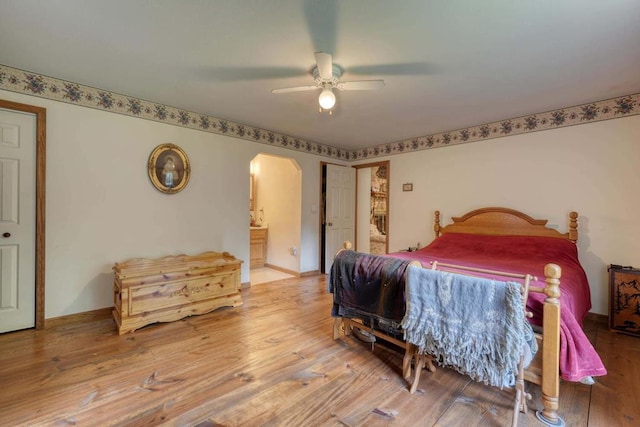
(166,289)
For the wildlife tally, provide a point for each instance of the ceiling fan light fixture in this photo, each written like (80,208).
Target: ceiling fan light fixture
(326,76)
(327,98)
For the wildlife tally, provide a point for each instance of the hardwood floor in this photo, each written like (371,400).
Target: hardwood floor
(269,362)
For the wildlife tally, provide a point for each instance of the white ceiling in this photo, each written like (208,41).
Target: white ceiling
(446,64)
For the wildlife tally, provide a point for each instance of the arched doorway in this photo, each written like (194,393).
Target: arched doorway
(276,216)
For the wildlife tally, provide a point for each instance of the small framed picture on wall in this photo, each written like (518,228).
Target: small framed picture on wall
(407,187)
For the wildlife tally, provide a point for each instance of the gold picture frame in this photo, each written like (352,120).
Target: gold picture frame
(169,168)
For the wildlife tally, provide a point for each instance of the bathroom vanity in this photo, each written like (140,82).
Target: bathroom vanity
(258,246)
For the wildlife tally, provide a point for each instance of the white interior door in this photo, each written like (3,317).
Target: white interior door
(339,211)
(17,220)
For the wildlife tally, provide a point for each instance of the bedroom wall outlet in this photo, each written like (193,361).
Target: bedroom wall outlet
(293,250)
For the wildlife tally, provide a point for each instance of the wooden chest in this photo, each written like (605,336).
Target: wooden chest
(166,289)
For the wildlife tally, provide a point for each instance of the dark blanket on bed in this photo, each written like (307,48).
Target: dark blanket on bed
(368,286)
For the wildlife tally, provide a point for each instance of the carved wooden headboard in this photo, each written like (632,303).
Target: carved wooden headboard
(497,221)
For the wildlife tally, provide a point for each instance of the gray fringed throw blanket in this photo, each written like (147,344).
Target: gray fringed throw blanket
(473,324)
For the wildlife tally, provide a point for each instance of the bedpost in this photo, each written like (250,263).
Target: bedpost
(551,347)
(573,226)
(436,225)
(339,320)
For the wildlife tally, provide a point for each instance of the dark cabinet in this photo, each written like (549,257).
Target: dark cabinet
(624,299)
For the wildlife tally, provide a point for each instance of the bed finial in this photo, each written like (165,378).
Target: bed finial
(436,225)
(573,226)
(347,245)
(552,273)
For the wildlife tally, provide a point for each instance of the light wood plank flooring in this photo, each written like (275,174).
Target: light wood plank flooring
(270,362)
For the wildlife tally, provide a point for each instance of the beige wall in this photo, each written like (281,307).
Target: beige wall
(592,169)
(102,208)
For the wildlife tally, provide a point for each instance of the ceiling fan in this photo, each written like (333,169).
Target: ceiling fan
(326,78)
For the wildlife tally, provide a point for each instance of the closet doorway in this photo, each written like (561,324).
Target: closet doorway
(372,207)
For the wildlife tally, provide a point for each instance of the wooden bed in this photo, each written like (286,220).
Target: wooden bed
(496,221)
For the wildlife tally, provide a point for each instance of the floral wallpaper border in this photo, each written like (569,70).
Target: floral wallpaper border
(614,108)
(15,80)
(25,82)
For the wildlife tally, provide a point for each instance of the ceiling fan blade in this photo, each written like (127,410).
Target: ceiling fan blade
(398,69)
(232,74)
(294,89)
(322,18)
(361,85)
(325,65)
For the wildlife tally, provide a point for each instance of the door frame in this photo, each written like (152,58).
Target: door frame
(41,162)
(321,240)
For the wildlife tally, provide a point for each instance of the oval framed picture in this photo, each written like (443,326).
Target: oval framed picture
(169,168)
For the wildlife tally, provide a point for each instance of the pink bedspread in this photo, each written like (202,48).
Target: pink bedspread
(517,254)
